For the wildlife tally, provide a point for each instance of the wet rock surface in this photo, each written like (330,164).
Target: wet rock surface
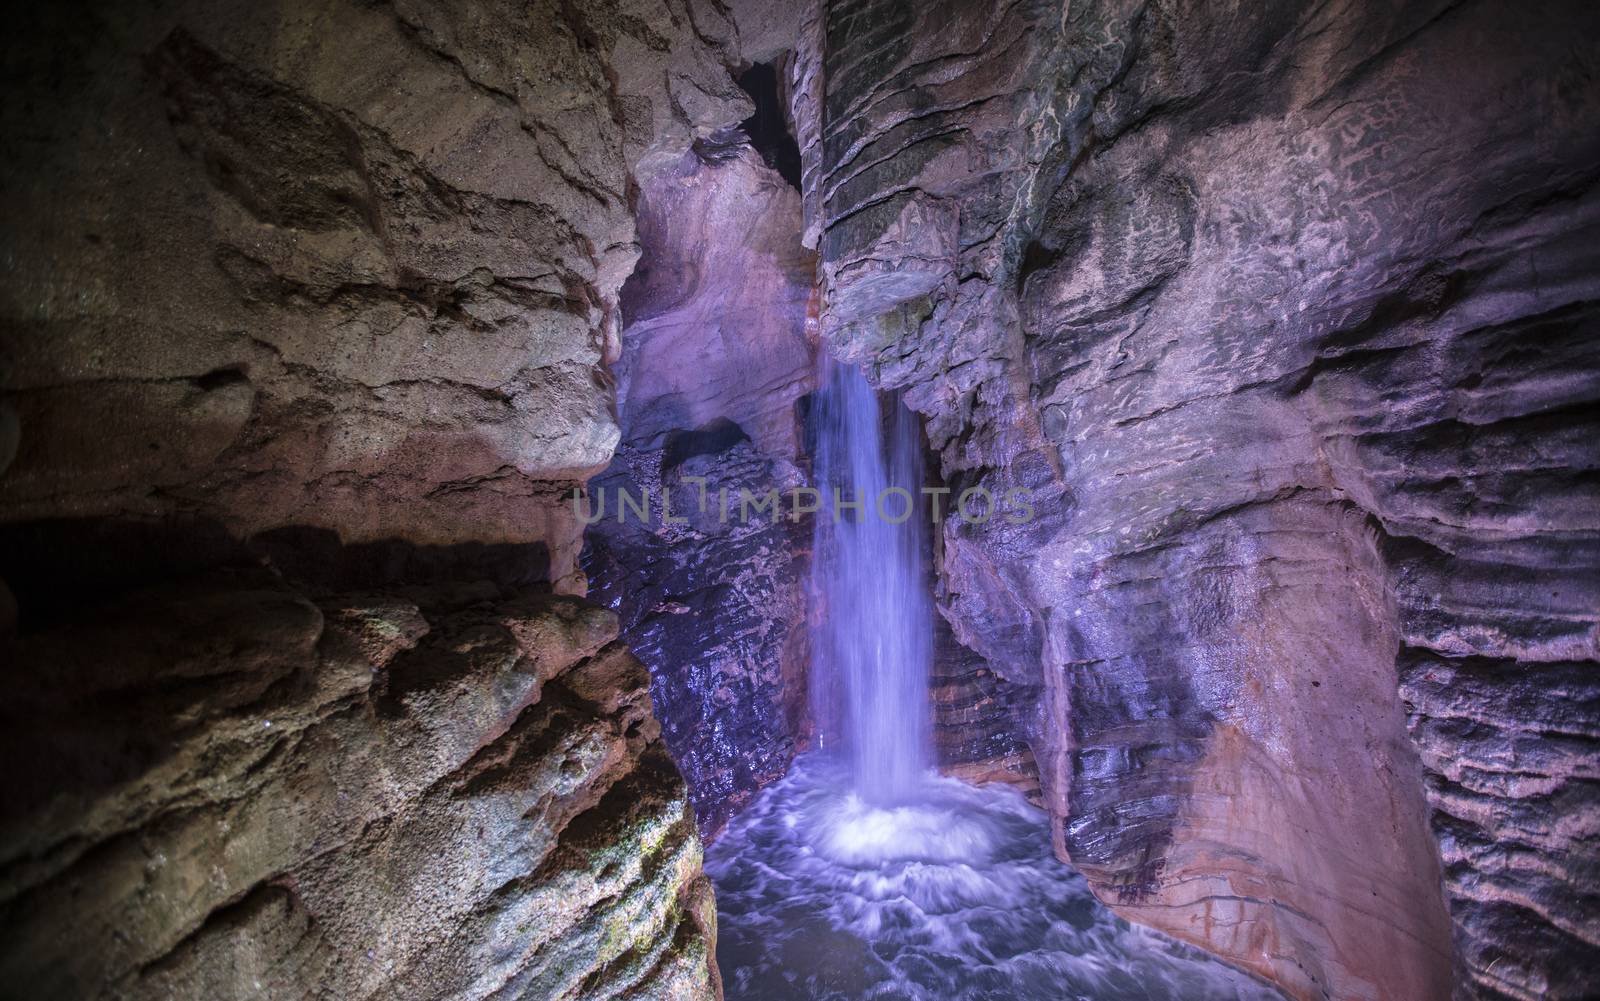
(1283,316)
(715,361)
(981,721)
(232,787)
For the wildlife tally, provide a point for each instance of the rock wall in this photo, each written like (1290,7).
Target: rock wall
(459,792)
(305,321)
(714,364)
(345,267)
(982,721)
(1283,315)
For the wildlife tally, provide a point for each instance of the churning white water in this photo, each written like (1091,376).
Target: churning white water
(864,875)
(954,896)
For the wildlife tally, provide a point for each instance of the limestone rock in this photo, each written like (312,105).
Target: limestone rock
(339,266)
(714,368)
(1283,314)
(326,293)
(344,797)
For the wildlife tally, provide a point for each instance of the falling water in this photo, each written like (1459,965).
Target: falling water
(874,636)
(873,879)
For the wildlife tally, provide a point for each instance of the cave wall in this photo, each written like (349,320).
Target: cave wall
(983,722)
(455,792)
(1284,315)
(714,364)
(351,268)
(306,317)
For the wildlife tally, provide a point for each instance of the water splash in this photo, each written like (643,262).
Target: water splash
(873,878)
(872,644)
(822,894)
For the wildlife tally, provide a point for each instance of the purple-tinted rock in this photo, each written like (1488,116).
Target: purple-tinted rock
(715,360)
(1282,314)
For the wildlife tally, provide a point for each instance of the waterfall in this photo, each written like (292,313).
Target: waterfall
(865,876)
(872,642)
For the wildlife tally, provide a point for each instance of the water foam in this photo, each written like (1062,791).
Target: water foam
(951,896)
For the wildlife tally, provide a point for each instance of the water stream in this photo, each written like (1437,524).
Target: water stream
(825,896)
(872,643)
(864,875)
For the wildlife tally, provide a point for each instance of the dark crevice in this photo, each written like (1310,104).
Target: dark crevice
(768,128)
(712,438)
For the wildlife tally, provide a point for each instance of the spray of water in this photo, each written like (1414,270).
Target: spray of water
(874,637)
(822,896)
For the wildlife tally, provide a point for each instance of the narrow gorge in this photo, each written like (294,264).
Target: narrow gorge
(842,499)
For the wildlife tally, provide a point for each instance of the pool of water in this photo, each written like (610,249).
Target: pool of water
(950,894)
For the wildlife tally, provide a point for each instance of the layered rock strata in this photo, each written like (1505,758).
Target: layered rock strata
(347,267)
(982,722)
(306,314)
(458,793)
(1283,315)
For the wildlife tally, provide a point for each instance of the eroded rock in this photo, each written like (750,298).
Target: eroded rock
(342,267)
(326,293)
(344,797)
(1281,315)
(715,363)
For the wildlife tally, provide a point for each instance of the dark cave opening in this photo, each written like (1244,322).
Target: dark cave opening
(768,128)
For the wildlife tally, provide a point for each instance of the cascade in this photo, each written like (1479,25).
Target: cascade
(873,639)
(862,874)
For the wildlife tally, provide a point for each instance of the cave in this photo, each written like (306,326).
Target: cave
(840,499)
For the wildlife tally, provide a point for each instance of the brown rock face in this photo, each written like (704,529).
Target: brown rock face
(345,267)
(330,288)
(1283,315)
(460,793)
(981,721)
(714,364)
